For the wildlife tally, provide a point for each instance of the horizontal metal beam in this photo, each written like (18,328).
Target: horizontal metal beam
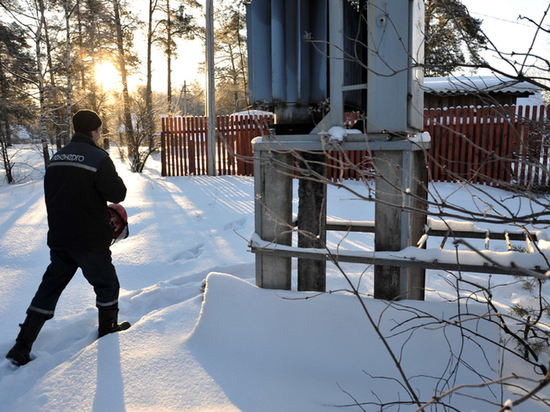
(351,226)
(376,259)
(313,142)
(480,235)
(368,227)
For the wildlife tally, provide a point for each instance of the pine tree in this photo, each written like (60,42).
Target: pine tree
(177,23)
(453,37)
(231,59)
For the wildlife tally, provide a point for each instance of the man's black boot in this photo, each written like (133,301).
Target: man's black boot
(108,322)
(20,353)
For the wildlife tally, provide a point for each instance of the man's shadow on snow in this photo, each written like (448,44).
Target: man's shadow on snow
(109,395)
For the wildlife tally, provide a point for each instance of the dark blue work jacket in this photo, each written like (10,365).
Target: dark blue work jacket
(80,179)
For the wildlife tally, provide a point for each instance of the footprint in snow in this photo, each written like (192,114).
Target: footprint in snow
(189,254)
(237,224)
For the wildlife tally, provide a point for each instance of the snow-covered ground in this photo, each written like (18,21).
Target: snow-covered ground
(235,347)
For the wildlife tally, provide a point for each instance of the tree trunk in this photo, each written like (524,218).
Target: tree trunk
(169,57)
(148,91)
(4,151)
(41,87)
(69,66)
(124,77)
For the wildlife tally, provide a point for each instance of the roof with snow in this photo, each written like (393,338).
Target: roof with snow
(459,85)
(252,113)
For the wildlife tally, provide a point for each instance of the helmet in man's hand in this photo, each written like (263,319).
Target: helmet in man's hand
(118,222)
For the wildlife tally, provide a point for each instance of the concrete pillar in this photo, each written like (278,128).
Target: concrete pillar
(273,216)
(312,219)
(419,185)
(396,228)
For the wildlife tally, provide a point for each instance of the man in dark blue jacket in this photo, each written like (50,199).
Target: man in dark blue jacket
(80,179)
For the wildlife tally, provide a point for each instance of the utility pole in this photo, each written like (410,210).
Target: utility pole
(184,98)
(184,92)
(210,92)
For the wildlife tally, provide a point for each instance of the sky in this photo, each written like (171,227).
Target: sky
(231,346)
(502,25)
(185,67)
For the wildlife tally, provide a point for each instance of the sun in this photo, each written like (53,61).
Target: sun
(107,75)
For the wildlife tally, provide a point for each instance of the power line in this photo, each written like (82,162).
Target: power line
(500,19)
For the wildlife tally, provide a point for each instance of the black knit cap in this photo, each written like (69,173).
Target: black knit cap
(85,121)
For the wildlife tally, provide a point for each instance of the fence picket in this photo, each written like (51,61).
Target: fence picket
(504,174)
(222,139)
(242,138)
(185,146)
(462,117)
(172,151)
(437,170)
(491,133)
(538,148)
(470,145)
(545,146)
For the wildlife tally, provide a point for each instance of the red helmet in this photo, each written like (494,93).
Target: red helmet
(118,222)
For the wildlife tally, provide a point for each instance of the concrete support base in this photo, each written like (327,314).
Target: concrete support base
(402,173)
(399,213)
(273,216)
(312,219)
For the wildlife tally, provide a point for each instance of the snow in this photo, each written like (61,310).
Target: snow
(338,133)
(488,83)
(421,138)
(253,113)
(236,347)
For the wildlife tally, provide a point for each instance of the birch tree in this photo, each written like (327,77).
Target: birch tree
(231,59)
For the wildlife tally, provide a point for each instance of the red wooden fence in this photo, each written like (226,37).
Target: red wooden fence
(495,146)
(472,144)
(184,142)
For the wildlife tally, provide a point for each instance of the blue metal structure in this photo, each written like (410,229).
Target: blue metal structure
(285,71)
(362,55)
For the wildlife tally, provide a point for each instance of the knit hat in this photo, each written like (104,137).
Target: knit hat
(85,121)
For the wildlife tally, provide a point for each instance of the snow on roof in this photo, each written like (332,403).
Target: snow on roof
(455,85)
(252,113)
